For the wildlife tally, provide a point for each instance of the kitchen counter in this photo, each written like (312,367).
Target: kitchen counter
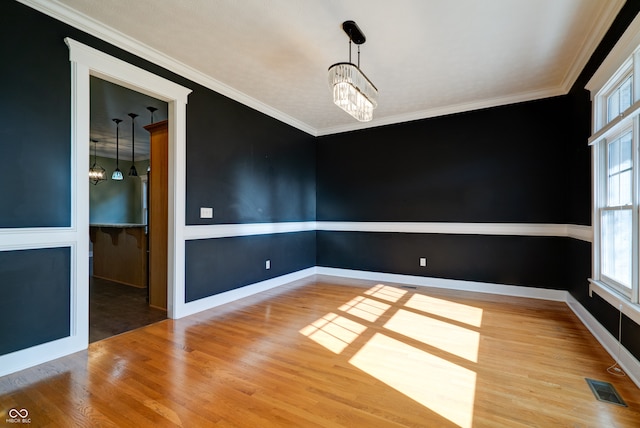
(120,253)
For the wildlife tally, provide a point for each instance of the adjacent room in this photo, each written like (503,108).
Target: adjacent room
(275,213)
(127,284)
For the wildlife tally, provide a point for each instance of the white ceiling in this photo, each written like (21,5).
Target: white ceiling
(427,57)
(110,101)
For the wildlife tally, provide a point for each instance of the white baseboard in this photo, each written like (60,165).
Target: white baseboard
(625,359)
(242,292)
(39,354)
(451,284)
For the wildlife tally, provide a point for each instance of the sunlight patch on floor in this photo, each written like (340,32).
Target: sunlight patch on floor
(446,309)
(384,292)
(365,308)
(442,386)
(451,338)
(333,332)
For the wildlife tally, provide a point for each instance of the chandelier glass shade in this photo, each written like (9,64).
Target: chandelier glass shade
(353,92)
(117,175)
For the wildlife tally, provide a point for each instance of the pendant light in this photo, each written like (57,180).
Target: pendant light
(117,174)
(151,109)
(97,174)
(132,171)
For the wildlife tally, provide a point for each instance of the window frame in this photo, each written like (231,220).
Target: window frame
(605,132)
(600,102)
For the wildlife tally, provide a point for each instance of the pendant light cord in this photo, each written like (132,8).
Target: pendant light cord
(117,145)
(350,42)
(133,137)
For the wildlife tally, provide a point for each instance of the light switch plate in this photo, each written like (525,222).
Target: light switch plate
(206,212)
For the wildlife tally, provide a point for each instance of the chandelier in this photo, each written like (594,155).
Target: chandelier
(97,174)
(353,92)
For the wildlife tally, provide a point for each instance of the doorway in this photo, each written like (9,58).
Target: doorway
(124,293)
(85,62)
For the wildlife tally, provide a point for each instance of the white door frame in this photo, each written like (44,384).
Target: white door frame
(85,62)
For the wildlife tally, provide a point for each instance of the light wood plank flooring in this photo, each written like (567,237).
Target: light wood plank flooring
(325,352)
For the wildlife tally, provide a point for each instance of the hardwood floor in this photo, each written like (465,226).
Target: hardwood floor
(337,353)
(116,308)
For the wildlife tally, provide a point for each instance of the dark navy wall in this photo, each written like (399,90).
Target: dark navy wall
(207,273)
(247,166)
(577,203)
(505,164)
(498,165)
(250,169)
(513,260)
(35,108)
(34,286)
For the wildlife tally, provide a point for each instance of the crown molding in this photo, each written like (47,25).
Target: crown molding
(608,14)
(622,50)
(91,26)
(96,28)
(446,110)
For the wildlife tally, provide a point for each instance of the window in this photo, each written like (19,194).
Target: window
(616,182)
(616,225)
(619,99)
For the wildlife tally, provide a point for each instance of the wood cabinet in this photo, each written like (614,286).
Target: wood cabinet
(158,213)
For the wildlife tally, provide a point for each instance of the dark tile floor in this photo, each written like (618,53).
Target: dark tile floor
(115,308)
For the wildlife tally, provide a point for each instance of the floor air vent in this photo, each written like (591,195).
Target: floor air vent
(411,287)
(604,391)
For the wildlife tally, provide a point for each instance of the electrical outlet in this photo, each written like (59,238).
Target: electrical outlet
(423,261)
(206,212)
(267,264)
